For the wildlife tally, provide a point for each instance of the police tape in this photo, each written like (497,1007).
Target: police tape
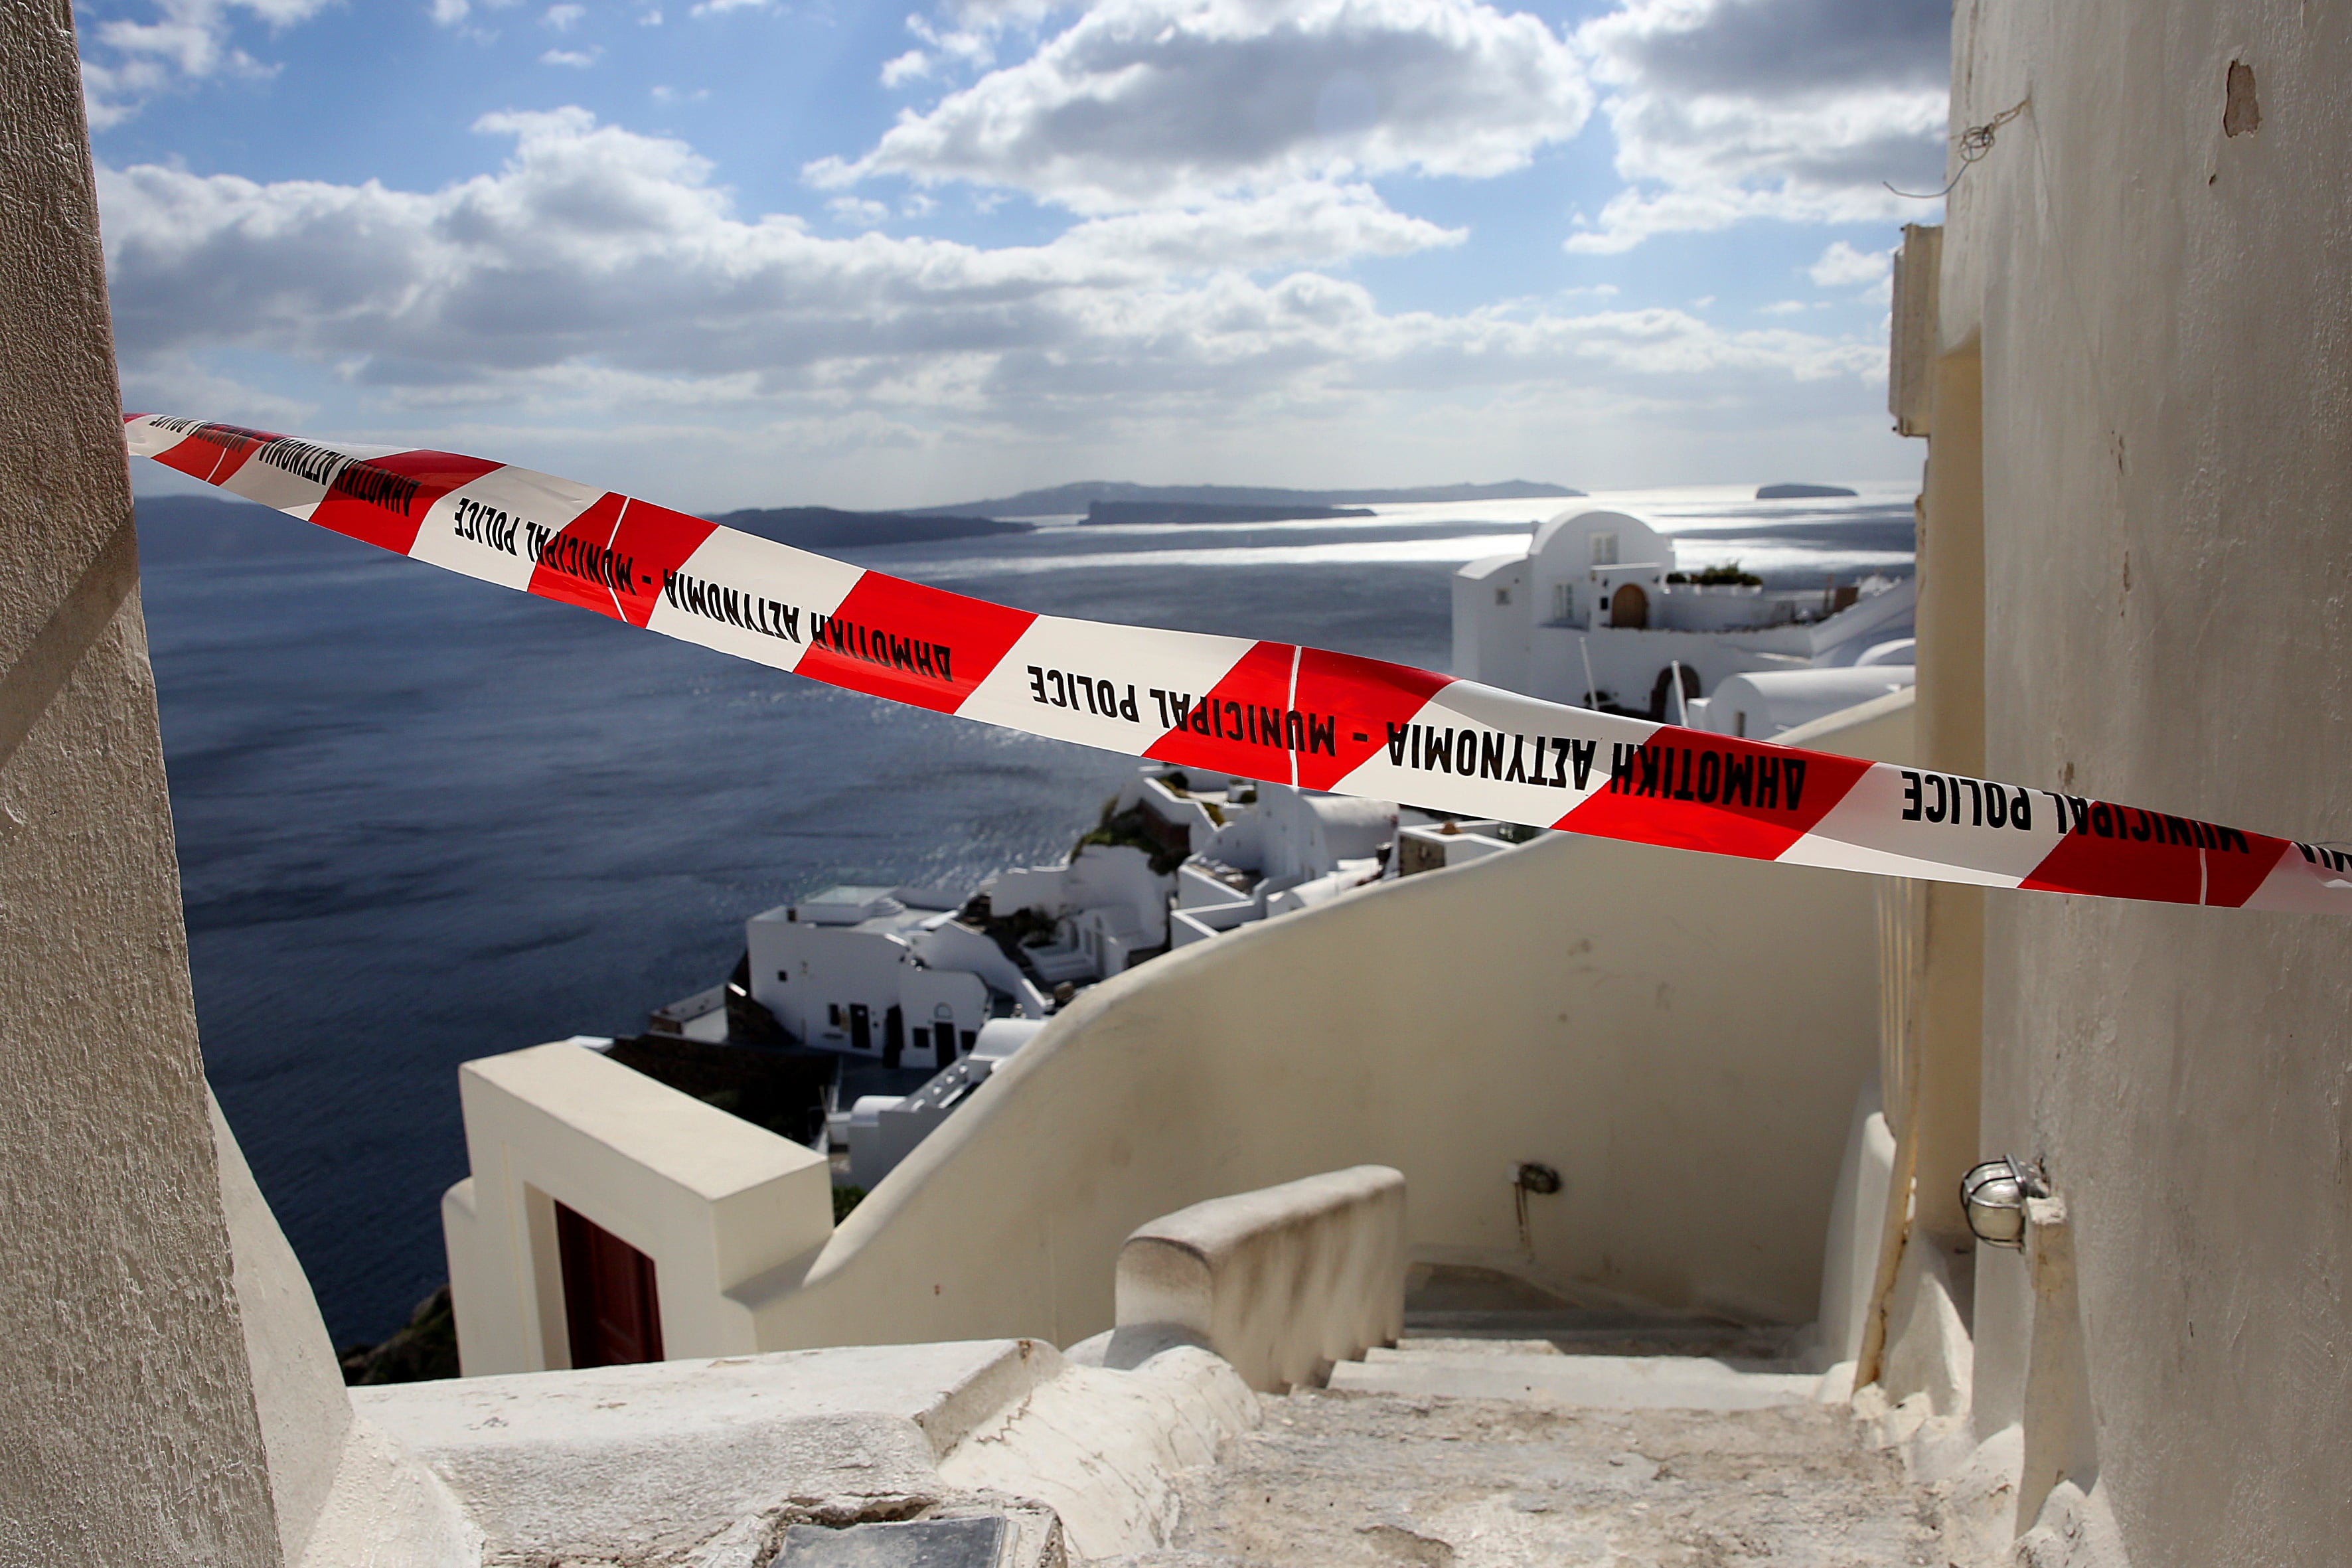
(1299,716)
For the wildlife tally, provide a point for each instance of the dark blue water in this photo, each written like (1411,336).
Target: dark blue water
(422,819)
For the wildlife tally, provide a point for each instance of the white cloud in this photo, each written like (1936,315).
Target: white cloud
(912,66)
(1782,308)
(579,59)
(178,380)
(719,7)
(1313,221)
(561,18)
(127,61)
(1006,16)
(1161,102)
(601,274)
(1796,110)
(859,212)
(1842,267)
(455,13)
(971,45)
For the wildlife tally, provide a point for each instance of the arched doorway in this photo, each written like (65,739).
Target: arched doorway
(1629,606)
(1663,705)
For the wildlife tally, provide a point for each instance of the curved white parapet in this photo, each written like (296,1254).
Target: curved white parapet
(1283,1282)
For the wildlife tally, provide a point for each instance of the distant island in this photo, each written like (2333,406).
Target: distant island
(177,529)
(828,527)
(1799,492)
(1196,511)
(180,528)
(1078,500)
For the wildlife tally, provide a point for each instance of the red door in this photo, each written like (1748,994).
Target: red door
(609,1303)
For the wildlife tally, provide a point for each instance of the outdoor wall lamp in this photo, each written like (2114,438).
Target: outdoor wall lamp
(1531,1178)
(1993,1196)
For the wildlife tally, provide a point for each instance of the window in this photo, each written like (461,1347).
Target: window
(1563,602)
(832,1014)
(1604,549)
(1502,596)
(783,975)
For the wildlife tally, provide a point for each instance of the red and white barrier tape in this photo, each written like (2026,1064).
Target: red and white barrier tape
(1228,705)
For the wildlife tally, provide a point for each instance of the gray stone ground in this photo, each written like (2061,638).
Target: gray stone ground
(1336,1477)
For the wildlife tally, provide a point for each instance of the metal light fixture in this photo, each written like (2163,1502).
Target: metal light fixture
(1531,1178)
(1993,1196)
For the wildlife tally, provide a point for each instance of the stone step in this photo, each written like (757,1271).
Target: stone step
(1598,1334)
(1594,1382)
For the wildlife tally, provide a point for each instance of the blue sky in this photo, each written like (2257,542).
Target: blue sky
(739,253)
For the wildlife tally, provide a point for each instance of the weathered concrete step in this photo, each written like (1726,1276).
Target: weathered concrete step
(1598,1382)
(1596,1333)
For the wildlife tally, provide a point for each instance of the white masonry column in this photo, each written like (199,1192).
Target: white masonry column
(129,1432)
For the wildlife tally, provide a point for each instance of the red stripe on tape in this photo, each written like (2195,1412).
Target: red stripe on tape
(214,453)
(384,501)
(1241,725)
(924,646)
(2123,852)
(614,557)
(1349,704)
(1693,790)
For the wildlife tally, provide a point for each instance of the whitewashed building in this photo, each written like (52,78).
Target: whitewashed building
(884,972)
(1597,612)
(908,976)
(1279,850)
(884,1129)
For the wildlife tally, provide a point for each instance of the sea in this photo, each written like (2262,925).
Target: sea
(423,820)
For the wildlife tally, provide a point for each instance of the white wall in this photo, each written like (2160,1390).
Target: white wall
(129,1432)
(1561,552)
(1037,887)
(1120,876)
(837,967)
(1625,664)
(1304,835)
(1490,625)
(829,967)
(715,1202)
(1763,704)
(2162,315)
(949,946)
(946,1002)
(1682,1037)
